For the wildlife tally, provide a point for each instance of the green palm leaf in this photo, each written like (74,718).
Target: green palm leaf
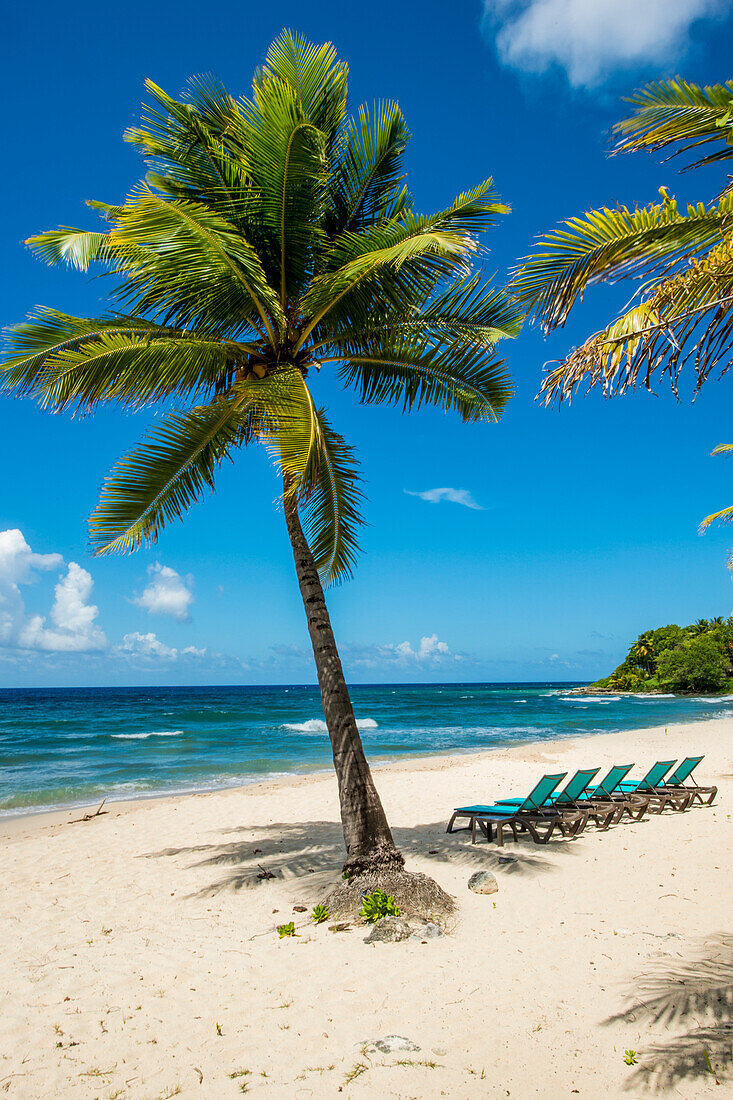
(402,261)
(610,244)
(471,311)
(289,166)
(200,271)
(667,112)
(685,318)
(413,372)
(160,480)
(366,184)
(163,477)
(314,74)
(320,473)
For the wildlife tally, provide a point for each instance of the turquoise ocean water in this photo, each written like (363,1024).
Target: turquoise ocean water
(64,747)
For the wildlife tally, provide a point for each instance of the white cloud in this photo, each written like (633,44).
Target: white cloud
(454,496)
(147,645)
(168,593)
(591,38)
(429,651)
(74,629)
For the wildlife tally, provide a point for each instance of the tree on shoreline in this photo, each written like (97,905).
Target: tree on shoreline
(697,657)
(271,237)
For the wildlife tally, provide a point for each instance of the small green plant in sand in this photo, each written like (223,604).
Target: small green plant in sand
(218,1028)
(286,929)
(630,1057)
(378,905)
(356,1071)
(319,914)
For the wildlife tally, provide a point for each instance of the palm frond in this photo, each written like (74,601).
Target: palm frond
(163,477)
(289,167)
(672,111)
(52,346)
(322,472)
(402,260)
(169,472)
(366,184)
(199,270)
(725,515)
(67,364)
(315,75)
(468,310)
(75,247)
(197,148)
(686,318)
(414,371)
(609,244)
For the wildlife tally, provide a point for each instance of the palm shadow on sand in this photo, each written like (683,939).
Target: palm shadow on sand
(313,852)
(693,1000)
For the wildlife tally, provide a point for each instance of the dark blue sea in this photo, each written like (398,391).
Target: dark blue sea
(63,747)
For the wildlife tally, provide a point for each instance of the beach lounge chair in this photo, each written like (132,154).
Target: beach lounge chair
(676,783)
(571,797)
(608,793)
(653,788)
(533,801)
(609,784)
(528,815)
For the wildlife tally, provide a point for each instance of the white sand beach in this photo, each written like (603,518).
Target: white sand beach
(140,958)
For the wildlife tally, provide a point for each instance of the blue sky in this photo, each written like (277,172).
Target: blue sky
(585,530)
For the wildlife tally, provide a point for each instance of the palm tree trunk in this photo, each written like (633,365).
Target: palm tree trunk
(367,835)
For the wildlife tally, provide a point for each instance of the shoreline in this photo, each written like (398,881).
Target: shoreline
(84,782)
(277,781)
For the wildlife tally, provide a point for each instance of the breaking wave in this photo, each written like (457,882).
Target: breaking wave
(317,725)
(144,736)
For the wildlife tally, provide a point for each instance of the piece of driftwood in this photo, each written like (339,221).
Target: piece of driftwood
(90,817)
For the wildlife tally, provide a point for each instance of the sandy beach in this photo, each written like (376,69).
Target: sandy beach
(140,958)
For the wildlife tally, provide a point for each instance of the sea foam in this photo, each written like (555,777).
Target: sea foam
(317,725)
(144,736)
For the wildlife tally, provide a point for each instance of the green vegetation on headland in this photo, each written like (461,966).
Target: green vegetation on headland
(695,658)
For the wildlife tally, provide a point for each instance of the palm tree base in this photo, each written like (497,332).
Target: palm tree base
(379,857)
(416,895)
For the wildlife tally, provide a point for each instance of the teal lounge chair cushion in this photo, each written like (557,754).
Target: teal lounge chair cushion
(536,797)
(652,779)
(573,790)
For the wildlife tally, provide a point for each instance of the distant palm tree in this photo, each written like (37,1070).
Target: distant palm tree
(682,313)
(700,626)
(642,652)
(272,237)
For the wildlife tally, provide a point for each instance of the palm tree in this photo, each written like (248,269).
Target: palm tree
(642,653)
(682,313)
(272,237)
